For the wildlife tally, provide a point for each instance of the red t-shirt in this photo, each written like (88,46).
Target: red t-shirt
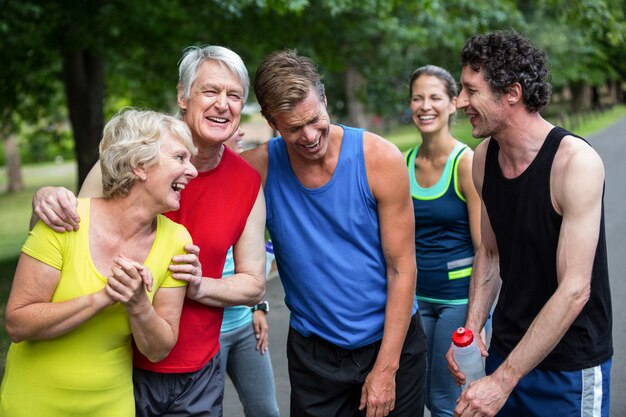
(214,208)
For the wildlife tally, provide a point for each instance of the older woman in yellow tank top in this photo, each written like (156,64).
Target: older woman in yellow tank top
(78,297)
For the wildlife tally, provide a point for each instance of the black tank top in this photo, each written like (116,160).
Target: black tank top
(527,228)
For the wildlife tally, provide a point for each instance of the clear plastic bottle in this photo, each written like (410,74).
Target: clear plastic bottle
(269,257)
(467,355)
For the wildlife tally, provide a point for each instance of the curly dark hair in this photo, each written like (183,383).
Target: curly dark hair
(506,57)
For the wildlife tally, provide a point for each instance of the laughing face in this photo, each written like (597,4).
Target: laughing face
(213,109)
(431,107)
(166,179)
(484,108)
(305,129)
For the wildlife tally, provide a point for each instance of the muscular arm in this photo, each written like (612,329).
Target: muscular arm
(485,281)
(577,184)
(30,313)
(247,285)
(385,167)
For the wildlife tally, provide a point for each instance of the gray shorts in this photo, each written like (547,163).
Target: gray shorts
(192,394)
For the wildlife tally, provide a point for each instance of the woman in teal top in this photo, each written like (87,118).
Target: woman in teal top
(447,225)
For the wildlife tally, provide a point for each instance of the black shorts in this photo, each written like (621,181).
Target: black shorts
(197,394)
(326,380)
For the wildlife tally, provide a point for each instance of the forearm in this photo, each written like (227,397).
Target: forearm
(40,321)
(400,301)
(155,325)
(544,333)
(484,286)
(239,289)
(153,335)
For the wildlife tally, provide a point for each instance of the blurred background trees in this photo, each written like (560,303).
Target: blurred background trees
(67,66)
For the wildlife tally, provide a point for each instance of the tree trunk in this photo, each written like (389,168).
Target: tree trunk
(581,97)
(617,92)
(356,86)
(13,164)
(83,74)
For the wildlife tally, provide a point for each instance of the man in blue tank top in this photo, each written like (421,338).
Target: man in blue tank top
(340,216)
(542,244)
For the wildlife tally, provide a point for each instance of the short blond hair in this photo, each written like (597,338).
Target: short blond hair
(131,139)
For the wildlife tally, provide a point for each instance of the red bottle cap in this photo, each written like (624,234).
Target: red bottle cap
(462,337)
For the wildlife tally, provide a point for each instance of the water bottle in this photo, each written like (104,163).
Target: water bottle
(269,257)
(467,355)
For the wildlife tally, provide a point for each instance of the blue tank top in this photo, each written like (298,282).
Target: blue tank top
(443,244)
(327,247)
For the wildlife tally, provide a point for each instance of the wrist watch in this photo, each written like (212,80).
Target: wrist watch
(263,306)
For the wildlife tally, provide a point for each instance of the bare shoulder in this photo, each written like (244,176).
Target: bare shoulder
(379,152)
(385,166)
(257,157)
(478,163)
(465,161)
(577,157)
(577,174)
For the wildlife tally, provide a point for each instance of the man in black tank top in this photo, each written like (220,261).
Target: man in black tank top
(543,244)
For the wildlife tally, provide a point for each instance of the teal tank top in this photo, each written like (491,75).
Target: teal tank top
(443,244)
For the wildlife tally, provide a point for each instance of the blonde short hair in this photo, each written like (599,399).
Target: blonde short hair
(131,139)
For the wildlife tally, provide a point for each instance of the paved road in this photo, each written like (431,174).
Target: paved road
(611,145)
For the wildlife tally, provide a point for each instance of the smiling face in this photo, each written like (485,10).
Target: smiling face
(484,108)
(431,106)
(305,128)
(165,180)
(213,110)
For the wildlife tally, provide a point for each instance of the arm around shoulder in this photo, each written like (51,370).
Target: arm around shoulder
(56,206)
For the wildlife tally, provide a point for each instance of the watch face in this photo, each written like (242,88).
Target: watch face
(263,306)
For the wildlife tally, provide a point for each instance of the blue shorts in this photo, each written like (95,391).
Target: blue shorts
(584,393)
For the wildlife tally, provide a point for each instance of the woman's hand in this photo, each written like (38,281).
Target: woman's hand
(261,330)
(128,284)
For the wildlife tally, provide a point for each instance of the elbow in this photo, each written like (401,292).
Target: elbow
(15,332)
(158,350)
(257,297)
(257,293)
(157,355)
(14,337)
(579,296)
(582,297)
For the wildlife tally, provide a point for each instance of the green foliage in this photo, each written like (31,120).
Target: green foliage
(14,221)
(581,37)
(30,74)
(382,41)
